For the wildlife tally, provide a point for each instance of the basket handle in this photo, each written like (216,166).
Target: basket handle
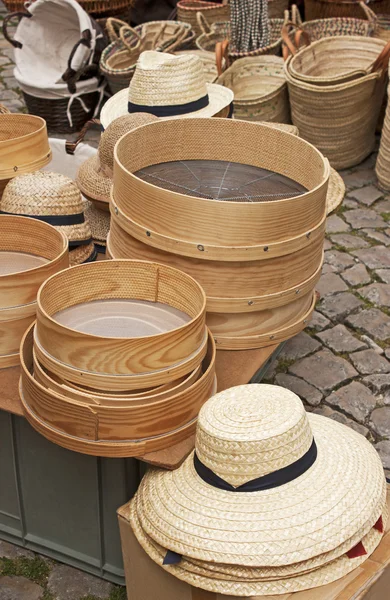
(221,52)
(8,18)
(296,15)
(371,16)
(113,27)
(125,42)
(203,23)
(70,74)
(288,46)
(176,40)
(382,61)
(70,147)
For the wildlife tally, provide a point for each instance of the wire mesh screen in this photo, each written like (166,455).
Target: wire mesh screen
(221,180)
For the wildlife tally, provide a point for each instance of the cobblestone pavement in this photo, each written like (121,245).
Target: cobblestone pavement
(339,366)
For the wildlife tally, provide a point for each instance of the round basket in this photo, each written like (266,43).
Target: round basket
(24,145)
(335,60)
(187,12)
(108,299)
(30,251)
(319,9)
(251,254)
(86,425)
(260,89)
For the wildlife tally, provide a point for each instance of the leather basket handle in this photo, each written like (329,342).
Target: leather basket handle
(300,34)
(70,147)
(221,52)
(7,19)
(382,61)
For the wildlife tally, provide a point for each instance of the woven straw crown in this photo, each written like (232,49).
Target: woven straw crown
(165,79)
(243,441)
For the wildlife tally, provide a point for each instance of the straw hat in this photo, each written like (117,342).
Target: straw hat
(94,177)
(168,85)
(272,498)
(99,221)
(55,199)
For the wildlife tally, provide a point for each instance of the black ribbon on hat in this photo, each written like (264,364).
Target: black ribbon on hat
(55,220)
(170,110)
(266,482)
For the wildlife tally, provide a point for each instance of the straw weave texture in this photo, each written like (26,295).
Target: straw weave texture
(382,167)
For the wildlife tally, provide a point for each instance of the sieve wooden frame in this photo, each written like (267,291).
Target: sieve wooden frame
(191,219)
(141,280)
(11,333)
(210,252)
(228,342)
(23,151)
(281,279)
(9,360)
(91,397)
(18,312)
(105,431)
(23,234)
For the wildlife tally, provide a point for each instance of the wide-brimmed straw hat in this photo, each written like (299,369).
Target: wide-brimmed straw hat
(273,499)
(55,199)
(94,177)
(167,85)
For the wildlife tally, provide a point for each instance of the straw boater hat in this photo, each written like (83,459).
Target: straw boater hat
(165,85)
(95,175)
(55,199)
(273,500)
(99,221)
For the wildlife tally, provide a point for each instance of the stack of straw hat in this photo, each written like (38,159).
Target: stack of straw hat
(258,255)
(30,251)
(54,199)
(273,500)
(120,360)
(336,88)
(95,175)
(24,145)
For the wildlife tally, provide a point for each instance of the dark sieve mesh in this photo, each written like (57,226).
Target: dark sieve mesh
(221,180)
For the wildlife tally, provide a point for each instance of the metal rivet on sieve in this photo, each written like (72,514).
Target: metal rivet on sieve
(200,247)
(305,320)
(148,233)
(15,168)
(297,291)
(250,302)
(271,337)
(265,248)
(116,210)
(308,234)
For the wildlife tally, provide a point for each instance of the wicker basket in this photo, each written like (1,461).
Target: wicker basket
(320,9)
(320,28)
(382,29)
(118,60)
(251,256)
(382,167)
(220,32)
(96,8)
(260,89)
(339,119)
(187,12)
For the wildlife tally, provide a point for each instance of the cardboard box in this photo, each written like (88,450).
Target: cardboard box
(145,580)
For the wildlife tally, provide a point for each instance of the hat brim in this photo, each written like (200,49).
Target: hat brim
(338,499)
(230,584)
(99,222)
(82,254)
(91,181)
(219,98)
(336,191)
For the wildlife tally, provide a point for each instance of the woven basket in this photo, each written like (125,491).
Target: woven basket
(382,29)
(220,31)
(251,257)
(335,60)
(188,9)
(382,167)
(260,89)
(339,119)
(96,8)
(118,60)
(30,252)
(320,28)
(320,9)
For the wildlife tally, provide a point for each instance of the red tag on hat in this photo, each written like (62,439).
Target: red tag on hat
(358,550)
(379,525)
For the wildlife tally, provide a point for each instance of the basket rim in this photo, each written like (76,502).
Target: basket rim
(23,116)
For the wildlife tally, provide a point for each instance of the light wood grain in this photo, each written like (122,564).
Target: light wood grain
(139,280)
(246,286)
(23,234)
(113,431)
(24,145)
(11,333)
(9,360)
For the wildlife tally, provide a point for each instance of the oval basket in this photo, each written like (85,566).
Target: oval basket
(121,357)
(256,230)
(319,9)
(24,145)
(113,430)
(187,12)
(260,89)
(30,251)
